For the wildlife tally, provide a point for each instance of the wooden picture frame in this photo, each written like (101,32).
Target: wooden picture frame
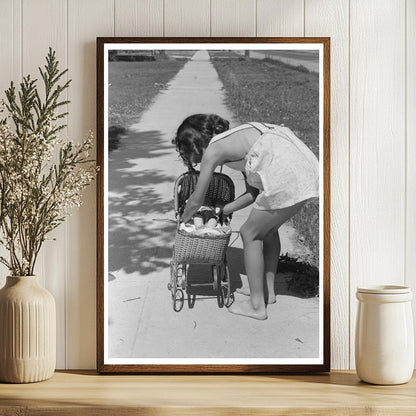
(135,341)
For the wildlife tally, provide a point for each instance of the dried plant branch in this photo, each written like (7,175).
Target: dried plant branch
(41,176)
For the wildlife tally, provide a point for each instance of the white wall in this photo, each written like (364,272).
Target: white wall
(373,132)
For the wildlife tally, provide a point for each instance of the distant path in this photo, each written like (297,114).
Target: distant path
(308,59)
(143,170)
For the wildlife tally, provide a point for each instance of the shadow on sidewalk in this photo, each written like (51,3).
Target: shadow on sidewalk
(147,144)
(136,243)
(236,266)
(235,258)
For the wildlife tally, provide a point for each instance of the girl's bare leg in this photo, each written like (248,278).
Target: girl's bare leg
(271,253)
(253,232)
(254,306)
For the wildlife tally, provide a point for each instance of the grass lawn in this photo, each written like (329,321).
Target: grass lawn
(277,93)
(133,85)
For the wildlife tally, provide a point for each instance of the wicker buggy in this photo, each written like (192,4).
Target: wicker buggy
(200,249)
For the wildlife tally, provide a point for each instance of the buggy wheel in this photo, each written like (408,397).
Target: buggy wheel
(227,295)
(215,282)
(191,301)
(173,267)
(178,300)
(220,297)
(178,275)
(183,276)
(173,277)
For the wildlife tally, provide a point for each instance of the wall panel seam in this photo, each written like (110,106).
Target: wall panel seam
(13,32)
(210,18)
(66,222)
(405,145)
(349,186)
(304,18)
(21,40)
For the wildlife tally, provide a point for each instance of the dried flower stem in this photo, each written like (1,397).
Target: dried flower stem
(36,194)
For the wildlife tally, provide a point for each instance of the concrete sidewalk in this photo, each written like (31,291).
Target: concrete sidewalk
(142,323)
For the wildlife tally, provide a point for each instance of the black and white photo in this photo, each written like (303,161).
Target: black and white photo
(213,205)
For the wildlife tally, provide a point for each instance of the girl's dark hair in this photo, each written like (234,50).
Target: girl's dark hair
(195,133)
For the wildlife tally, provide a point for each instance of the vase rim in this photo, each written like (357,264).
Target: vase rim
(384,289)
(23,277)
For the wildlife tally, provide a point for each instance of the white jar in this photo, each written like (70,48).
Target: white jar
(384,337)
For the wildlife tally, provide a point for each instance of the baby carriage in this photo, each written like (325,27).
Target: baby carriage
(200,249)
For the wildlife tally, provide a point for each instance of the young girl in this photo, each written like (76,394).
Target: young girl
(281,174)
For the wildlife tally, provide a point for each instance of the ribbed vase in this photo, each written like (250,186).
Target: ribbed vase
(27,331)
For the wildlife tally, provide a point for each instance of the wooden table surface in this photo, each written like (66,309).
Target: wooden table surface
(86,393)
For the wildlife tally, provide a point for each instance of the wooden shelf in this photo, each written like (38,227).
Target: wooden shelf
(86,393)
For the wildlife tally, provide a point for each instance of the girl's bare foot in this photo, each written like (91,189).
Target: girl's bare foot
(271,298)
(246,292)
(245,308)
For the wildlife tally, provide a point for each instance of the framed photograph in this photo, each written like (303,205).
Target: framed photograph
(213,222)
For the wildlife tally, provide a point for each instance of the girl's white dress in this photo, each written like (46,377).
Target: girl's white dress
(280,165)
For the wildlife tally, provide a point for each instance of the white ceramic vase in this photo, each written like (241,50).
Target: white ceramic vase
(27,331)
(384,341)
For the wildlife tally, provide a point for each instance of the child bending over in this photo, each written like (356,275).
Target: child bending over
(281,174)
